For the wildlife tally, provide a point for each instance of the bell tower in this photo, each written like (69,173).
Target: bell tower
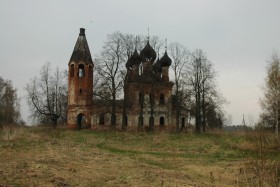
(80,85)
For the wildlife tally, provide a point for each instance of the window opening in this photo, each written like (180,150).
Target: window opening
(161,121)
(81,70)
(141,97)
(152,96)
(125,120)
(101,119)
(161,98)
(183,122)
(140,122)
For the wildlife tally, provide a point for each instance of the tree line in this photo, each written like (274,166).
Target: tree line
(9,105)
(270,102)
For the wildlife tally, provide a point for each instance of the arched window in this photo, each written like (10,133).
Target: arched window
(125,120)
(151,121)
(141,97)
(72,70)
(161,99)
(140,121)
(152,96)
(81,91)
(161,121)
(101,119)
(81,72)
(183,122)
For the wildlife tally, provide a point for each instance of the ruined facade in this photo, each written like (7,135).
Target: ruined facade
(148,99)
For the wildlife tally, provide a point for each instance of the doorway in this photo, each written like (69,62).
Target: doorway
(81,121)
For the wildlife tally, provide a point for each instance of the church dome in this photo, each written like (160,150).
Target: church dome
(165,61)
(157,66)
(128,64)
(148,53)
(135,58)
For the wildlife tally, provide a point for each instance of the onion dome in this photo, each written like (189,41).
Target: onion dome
(165,61)
(157,66)
(148,53)
(134,59)
(128,64)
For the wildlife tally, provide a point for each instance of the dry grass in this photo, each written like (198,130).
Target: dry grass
(45,157)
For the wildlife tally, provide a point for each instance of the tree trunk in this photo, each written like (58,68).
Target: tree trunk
(277,123)
(178,120)
(177,110)
(54,123)
(113,115)
(203,109)
(124,117)
(198,112)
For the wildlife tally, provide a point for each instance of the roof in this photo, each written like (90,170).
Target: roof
(165,60)
(81,50)
(157,67)
(148,53)
(134,59)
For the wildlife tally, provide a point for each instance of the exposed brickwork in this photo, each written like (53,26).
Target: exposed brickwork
(147,80)
(80,84)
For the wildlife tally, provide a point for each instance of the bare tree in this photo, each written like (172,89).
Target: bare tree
(201,82)
(213,115)
(195,77)
(9,104)
(155,42)
(131,42)
(208,90)
(180,56)
(110,65)
(270,103)
(47,95)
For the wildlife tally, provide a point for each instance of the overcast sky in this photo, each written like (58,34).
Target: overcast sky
(237,35)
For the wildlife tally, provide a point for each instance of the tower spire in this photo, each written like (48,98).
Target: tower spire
(81,50)
(243,121)
(136,40)
(165,44)
(158,53)
(148,33)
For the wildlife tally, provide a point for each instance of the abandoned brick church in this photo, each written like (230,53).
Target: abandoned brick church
(148,91)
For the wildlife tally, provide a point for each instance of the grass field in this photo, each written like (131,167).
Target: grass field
(45,157)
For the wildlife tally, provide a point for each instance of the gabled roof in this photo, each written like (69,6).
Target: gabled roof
(81,50)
